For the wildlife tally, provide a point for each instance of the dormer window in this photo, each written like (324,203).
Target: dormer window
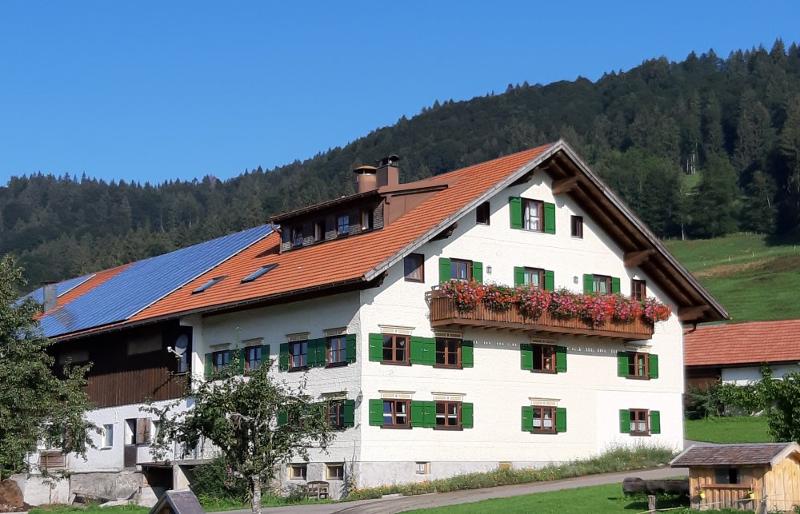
(366,219)
(319,231)
(297,236)
(343,225)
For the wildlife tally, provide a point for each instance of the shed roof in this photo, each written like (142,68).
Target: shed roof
(734,454)
(743,343)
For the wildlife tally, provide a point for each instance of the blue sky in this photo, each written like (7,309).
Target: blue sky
(160,90)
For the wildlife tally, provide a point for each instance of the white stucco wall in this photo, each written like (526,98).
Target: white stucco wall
(750,374)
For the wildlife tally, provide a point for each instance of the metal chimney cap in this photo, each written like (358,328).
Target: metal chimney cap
(364,169)
(390,160)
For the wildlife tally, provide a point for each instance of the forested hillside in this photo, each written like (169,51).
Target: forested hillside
(699,148)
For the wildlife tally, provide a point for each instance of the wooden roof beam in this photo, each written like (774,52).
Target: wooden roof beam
(565,185)
(633,259)
(692,313)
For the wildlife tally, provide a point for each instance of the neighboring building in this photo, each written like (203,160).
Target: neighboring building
(347,291)
(760,477)
(734,353)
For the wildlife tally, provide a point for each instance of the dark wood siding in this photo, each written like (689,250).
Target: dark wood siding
(118,378)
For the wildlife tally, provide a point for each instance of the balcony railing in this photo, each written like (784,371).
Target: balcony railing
(443,313)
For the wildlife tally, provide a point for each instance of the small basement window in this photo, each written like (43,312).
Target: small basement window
(423,468)
(207,285)
(298,471)
(334,471)
(263,270)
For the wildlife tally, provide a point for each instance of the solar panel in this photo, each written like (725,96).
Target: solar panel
(257,273)
(62,288)
(144,282)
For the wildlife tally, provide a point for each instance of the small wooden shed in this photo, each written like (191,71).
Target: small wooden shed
(761,477)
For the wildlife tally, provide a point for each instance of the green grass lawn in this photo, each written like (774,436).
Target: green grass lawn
(734,429)
(601,499)
(755,281)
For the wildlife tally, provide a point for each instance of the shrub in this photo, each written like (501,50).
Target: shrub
(213,482)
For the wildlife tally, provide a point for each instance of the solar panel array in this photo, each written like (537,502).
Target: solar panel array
(144,282)
(62,288)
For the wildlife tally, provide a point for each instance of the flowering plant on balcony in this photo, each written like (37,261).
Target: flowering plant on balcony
(498,298)
(653,310)
(466,295)
(565,304)
(532,301)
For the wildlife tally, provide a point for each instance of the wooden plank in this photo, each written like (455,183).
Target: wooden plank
(633,259)
(565,185)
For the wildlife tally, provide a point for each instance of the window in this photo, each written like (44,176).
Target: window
(336,350)
(108,436)
(460,269)
(533,277)
(297,236)
(336,413)
(448,415)
(639,422)
(206,285)
(297,354)
(532,215)
(298,471)
(263,270)
(153,343)
(577,226)
(544,358)
(544,419)
(319,231)
(448,352)
(366,219)
(413,267)
(137,431)
(73,357)
(221,359)
(343,225)
(638,289)
(395,413)
(395,348)
(334,471)
(638,365)
(726,476)
(482,214)
(601,284)
(51,460)
(423,468)
(253,357)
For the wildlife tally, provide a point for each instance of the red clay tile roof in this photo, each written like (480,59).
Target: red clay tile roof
(341,260)
(730,454)
(743,343)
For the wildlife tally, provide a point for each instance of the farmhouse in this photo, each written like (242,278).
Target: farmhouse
(372,296)
(743,476)
(735,353)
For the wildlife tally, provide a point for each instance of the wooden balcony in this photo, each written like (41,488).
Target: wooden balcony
(443,313)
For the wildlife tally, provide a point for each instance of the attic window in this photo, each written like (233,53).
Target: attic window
(208,284)
(257,273)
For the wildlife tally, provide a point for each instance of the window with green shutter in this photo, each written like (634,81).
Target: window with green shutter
(467,354)
(543,358)
(534,277)
(349,408)
(376,413)
(467,414)
(637,365)
(350,347)
(423,350)
(615,285)
(526,356)
(625,421)
(527,418)
(561,420)
(423,414)
(376,347)
(283,357)
(561,359)
(655,422)
(653,366)
(515,209)
(315,356)
(588,283)
(444,270)
(549,280)
(477,271)
(549,218)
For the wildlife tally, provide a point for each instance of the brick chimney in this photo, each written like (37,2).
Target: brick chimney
(366,178)
(388,172)
(49,295)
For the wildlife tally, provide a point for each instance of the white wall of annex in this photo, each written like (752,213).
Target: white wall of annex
(750,374)
(590,390)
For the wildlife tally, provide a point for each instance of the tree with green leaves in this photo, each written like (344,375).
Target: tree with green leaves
(253,420)
(713,203)
(38,405)
(783,405)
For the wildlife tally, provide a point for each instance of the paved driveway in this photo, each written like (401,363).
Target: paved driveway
(404,503)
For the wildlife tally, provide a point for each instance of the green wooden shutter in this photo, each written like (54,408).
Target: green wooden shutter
(561,419)
(316,354)
(376,347)
(242,357)
(655,422)
(515,208)
(209,365)
(417,350)
(350,347)
(625,421)
(418,414)
(283,358)
(526,356)
(549,280)
(653,365)
(444,270)
(477,271)
(265,355)
(549,218)
(561,359)
(467,354)
(588,284)
(527,418)
(519,276)
(615,287)
(376,413)
(467,415)
(349,412)
(430,414)
(283,417)
(623,363)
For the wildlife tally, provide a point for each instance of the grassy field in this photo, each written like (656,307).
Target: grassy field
(601,499)
(734,429)
(752,279)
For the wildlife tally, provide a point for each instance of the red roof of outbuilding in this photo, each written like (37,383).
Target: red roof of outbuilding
(743,343)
